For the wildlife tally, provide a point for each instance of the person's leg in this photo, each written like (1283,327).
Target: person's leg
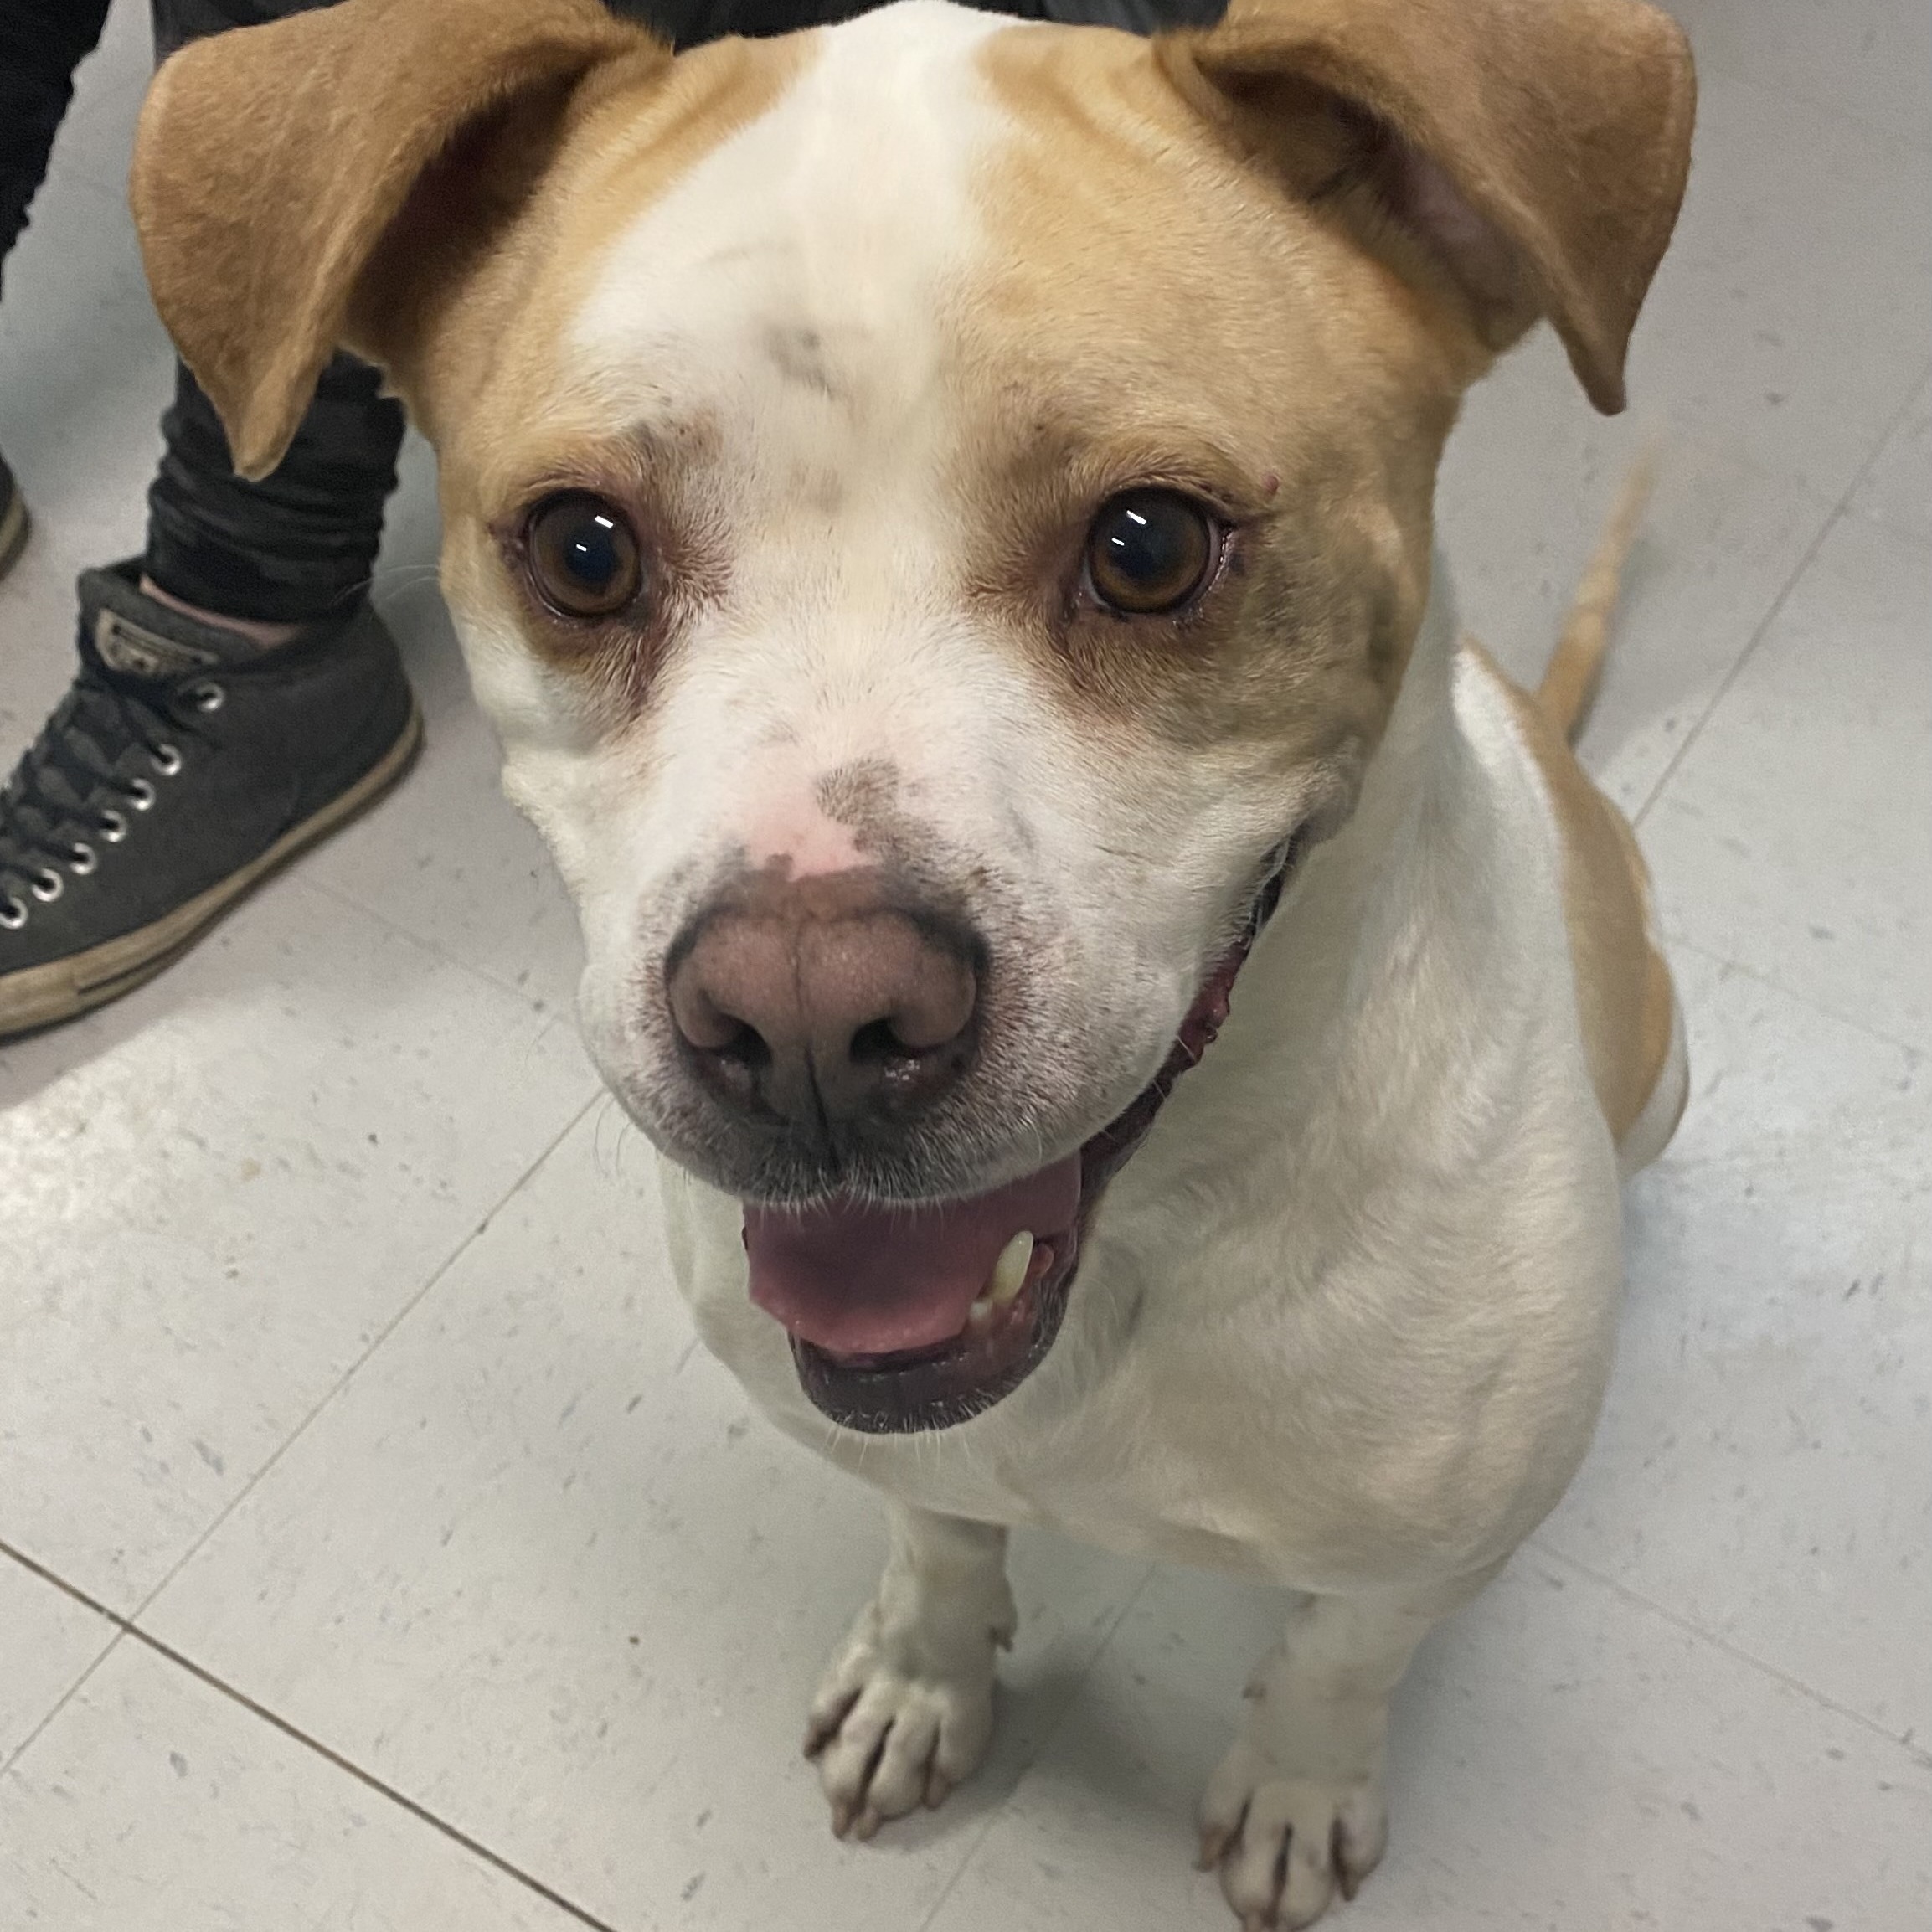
(293,548)
(299,545)
(41,43)
(237,696)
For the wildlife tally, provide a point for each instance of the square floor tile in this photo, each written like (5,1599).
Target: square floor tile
(1755,1471)
(541,1568)
(1561,1758)
(47,1641)
(154,1804)
(220,1190)
(1795,837)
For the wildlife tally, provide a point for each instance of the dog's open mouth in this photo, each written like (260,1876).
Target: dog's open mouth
(916,1315)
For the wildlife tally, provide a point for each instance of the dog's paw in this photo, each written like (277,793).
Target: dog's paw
(1285,1845)
(902,1715)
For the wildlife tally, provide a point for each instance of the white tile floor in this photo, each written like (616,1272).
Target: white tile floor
(379,1552)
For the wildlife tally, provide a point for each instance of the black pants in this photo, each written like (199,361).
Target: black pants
(302,542)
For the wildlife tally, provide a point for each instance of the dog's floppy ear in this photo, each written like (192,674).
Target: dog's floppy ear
(1535,150)
(273,163)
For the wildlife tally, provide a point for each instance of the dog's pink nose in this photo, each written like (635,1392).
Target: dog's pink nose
(819,1003)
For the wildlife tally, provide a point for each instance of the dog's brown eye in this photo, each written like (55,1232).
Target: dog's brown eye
(1150,551)
(583,556)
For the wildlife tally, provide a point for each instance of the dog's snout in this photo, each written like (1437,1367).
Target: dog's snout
(822,1009)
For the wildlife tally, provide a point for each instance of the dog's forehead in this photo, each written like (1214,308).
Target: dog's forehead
(812,243)
(921,239)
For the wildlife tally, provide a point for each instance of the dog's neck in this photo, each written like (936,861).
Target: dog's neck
(1415,771)
(1390,919)
(1354,906)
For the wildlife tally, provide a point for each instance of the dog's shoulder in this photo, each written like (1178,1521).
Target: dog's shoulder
(1626,1007)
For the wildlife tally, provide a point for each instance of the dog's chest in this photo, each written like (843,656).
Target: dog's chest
(1280,1449)
(1123,1467)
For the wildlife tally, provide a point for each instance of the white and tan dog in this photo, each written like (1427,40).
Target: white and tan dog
(939,512)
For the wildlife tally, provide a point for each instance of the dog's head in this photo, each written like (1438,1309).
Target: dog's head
(937,510)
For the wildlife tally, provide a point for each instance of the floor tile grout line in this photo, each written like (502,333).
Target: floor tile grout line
(127,1628)
(94,1663)
(1053,1730)
(355,1367)
(1835,515)
(126,1622)
(1884,442)
(542,1008)
(1678,943)
(1916,1752)
(1829,523)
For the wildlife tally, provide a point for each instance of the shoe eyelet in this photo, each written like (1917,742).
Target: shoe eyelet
(12,913)
(82,859)
(207,697)
(167,759)
(47,885)
(113,827)
(140,794)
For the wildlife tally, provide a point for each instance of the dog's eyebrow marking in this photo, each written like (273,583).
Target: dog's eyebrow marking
(798,354)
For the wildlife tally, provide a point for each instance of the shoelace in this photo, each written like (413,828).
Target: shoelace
(94,764)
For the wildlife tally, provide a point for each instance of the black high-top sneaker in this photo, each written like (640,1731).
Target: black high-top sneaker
(184,766)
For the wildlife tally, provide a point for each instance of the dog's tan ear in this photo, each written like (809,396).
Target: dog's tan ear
(274,165)
(1536,150)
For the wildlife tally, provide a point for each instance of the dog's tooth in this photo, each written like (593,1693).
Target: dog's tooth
(979,1314)
(1010,1270)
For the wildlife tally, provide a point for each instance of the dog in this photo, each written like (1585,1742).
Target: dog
(938,512)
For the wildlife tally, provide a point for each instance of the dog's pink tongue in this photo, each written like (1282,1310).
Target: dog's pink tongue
(874,1279)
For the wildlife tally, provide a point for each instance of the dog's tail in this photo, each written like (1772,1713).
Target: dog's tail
(1569,682)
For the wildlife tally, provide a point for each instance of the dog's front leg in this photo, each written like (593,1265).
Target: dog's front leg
(906,1708)
(1297,1809)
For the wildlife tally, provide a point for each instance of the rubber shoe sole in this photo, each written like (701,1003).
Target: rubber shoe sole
(63,989)
(14,525)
